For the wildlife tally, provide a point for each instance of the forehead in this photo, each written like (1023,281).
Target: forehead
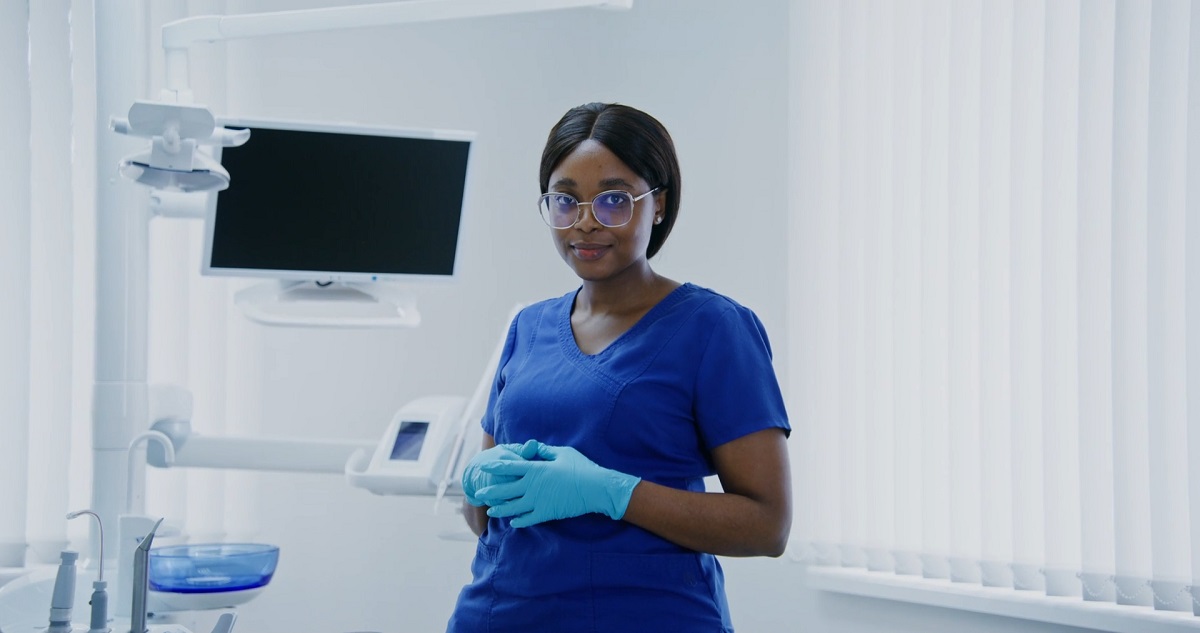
(590,164)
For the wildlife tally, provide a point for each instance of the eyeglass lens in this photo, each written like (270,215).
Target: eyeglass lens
(611,208)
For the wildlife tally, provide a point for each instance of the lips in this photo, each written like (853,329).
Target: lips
(588,251)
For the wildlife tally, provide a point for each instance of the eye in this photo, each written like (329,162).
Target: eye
(562,201)
(613,200)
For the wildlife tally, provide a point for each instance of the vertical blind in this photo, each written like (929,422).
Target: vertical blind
(14,257)
(40,180)
(991,290)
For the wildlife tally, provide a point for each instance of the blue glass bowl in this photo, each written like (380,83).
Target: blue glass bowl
(212,568)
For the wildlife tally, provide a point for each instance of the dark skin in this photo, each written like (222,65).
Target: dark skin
(753,514)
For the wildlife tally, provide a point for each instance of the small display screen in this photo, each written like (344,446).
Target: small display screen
(409,439)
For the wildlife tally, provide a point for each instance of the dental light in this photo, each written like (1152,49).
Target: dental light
(176,131)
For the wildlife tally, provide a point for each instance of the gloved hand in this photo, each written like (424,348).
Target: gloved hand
(474,478)
(566,484)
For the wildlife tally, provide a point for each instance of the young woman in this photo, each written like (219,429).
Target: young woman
(610,406)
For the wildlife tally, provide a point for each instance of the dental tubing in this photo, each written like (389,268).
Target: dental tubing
(99,601)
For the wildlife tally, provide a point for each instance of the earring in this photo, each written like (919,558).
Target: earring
(658,220)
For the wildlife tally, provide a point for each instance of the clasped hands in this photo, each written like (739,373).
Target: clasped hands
(534,482)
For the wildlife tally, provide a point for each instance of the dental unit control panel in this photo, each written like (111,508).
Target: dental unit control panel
(412,454)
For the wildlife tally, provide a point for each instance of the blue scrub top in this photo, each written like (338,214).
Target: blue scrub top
(694,373)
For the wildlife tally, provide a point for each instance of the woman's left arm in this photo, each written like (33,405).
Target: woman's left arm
(752,517)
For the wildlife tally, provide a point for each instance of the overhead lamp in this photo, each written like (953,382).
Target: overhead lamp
(173,162)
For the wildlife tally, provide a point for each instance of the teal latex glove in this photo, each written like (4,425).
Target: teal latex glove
(474,478)
(564,484)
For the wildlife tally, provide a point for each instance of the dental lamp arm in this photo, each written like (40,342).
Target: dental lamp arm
(179,35)
(224,137)
(253,453)
(177,445)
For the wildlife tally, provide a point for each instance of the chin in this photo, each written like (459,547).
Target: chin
(590,275)
(590,271)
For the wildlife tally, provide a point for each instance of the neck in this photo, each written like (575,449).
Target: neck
(627,293)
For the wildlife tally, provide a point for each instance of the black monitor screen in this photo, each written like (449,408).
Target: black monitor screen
(336,203)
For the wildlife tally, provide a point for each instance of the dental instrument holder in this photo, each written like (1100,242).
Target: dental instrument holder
(130,538)
(99,602)
(141,582)
(64,594)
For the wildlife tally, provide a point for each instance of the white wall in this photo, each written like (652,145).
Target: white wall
(714,73)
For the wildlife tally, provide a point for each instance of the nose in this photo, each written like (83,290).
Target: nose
(587,221)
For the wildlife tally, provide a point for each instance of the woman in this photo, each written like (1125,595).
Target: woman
(610,406)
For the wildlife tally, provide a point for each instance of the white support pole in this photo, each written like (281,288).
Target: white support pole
(119,400)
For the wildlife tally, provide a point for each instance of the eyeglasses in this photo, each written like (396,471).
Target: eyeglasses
(610,208)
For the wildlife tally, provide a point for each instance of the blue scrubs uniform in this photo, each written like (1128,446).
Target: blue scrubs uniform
(694,373)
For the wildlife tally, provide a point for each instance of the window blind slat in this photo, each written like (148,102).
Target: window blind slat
(15,182)
(1097,25)
(1131,476)
(995,454)
(1025,259)
(813,126)
(880,466)
(1060,353)
(1192,305)
(934,288)
(851,362)
(1166,370)
(964,270)
(906,286)
(51,287)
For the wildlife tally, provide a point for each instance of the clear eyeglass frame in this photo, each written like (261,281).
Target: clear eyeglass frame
(543,207)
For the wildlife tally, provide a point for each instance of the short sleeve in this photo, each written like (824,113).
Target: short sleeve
(737,392)
(506,354)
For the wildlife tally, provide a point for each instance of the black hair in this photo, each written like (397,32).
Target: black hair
(637,138)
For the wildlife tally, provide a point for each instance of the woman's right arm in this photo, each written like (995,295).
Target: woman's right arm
(477,518)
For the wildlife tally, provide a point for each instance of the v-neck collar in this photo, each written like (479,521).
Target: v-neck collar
(566,334)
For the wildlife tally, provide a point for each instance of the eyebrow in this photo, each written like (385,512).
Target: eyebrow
(615,182)
(606,183)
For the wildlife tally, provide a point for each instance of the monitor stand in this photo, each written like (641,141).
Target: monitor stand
(336,304)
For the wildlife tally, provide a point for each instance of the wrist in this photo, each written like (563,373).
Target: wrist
(620,490)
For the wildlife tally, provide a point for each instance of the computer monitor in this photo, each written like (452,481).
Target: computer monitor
(339,202)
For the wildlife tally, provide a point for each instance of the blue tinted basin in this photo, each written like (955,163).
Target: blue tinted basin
(212,568)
